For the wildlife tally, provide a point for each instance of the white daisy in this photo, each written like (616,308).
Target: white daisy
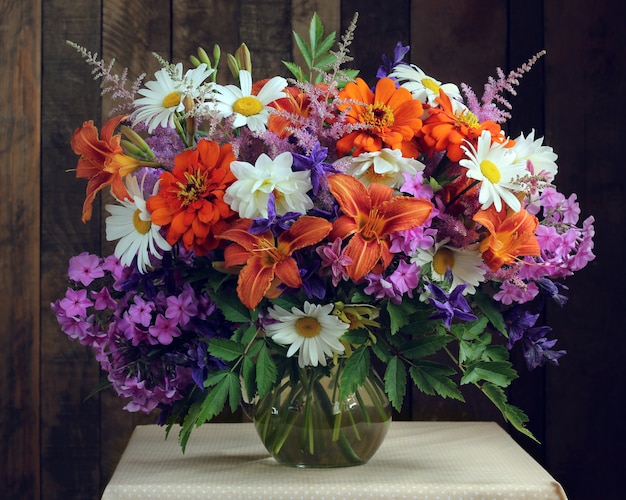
(250,110)
(313,332)
(543,158)
(495,167)
(386,166)
(249,194)
(465,265)
(131,224)
(164,97)
(423,87)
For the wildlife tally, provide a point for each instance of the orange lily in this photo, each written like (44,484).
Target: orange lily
(268,259)
(370,216)
(102,161)
(511,234)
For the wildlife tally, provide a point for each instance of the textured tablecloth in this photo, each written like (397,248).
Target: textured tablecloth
(423,460)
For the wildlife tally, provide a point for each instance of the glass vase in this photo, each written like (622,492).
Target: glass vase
(303,423)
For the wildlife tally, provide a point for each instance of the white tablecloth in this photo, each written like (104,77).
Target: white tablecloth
(423,460)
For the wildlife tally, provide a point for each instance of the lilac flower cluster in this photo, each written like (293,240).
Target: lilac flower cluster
(149,332)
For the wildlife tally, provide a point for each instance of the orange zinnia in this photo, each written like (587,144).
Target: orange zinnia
(102,161)
(268,259)
(391,115)
(190,202)
(370,215)
(511,235)
(446,130)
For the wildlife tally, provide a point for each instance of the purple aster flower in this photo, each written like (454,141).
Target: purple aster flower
(85,268)
(450,306)
(315,164)
(398,55)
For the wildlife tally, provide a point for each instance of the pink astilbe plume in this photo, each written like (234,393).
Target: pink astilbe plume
(487,108)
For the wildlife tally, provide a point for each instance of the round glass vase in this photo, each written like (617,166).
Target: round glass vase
(303,423)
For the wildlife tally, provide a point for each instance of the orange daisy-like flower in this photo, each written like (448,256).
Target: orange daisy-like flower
(190,202)
(268,261)
(102,161)
(511,235)
(296,103)
(370,215)
(446,129)
(391,115)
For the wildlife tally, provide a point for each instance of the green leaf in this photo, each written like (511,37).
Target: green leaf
(433,378)
(425,346)
(296,70)
(399,315)
(488,307)
(266,371)
(232,308)
(516,417)
(316,31)
(500,373)
(355,371)
(234,391)
(381,350)
(189,423)
(325,46)
(225,349)
(304,50)
(359,336)
(395,382)
(216,397)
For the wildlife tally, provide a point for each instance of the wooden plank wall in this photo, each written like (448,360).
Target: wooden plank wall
(56,445)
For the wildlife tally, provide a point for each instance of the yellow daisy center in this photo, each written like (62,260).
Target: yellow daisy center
(308,327)
(193,190)
(442,260)
(141,226)
(490,171)
(378,115)
(171,100)
(431,85)
(247,106)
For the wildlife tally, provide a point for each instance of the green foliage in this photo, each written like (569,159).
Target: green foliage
(434,378)
(500,373)
(355,371)
(395,382)
(516,417)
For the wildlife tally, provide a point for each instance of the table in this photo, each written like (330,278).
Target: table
(424,460)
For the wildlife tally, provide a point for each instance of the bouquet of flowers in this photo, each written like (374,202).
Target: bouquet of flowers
(284,223)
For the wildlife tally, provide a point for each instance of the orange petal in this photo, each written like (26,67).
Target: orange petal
(364,254)
(287,271)
(254,280)
(307,230)
(402,213)
(235,255)
(351,194)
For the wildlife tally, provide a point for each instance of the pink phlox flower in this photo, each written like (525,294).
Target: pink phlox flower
(75,327)
(405,278)
(164,330)
(380,288)
(551,199)
(103,299)
(415,186)
(516,290)
(75,302)
(85,268)
(334,262)
(140,312)
(409,241)
(183,307)
(570,209)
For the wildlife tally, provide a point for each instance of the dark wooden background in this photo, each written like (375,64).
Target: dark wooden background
(56,445)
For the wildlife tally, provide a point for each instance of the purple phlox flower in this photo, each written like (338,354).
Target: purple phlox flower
(164,330)
(388,64)
(181,308)
(516,290)
(450,306)
(380,287)
(409,241)
(276,223)
(103,299)
(405,278)
(75,302)
(334,261)
(75,327)
(537,349)
(85,268)
(315,164)
(113,265)
(415,186)
(140,312)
